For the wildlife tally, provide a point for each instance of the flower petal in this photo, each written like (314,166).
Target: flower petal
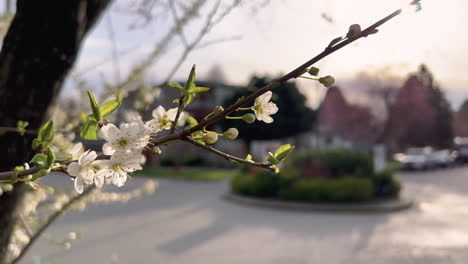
(108,149)
(159,112)
(79,184)
(73,169)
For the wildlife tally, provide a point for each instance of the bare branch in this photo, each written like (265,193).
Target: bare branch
(228,157)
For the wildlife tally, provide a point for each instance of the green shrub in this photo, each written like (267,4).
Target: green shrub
(262,184)
(338,161)
(385,185)
(189,160)
(347,189)
(166,162)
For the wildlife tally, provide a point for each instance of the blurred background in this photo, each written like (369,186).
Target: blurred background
(391,132)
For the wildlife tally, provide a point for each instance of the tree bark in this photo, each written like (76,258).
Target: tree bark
(38,51)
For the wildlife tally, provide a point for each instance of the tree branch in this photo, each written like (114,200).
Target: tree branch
(228,157)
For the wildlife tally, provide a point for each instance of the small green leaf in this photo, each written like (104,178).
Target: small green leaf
(198,89)
(21,125)
(249,157)
(36,143)
(277,170)
(90,129)
(188,99)
(50,157)
(46,132)
(94,106)
(334,42)
(314,71)
(110,106)
(191,79)
(327,80)
(176,85)
(40,160)
(272,159)
(83,117)
(176,101)
(192,121)
(282,152)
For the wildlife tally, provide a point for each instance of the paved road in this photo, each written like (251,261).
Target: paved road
(187,222)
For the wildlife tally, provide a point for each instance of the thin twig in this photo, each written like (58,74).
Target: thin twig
(179,110)
(50,220)
(15,129)
(228,157)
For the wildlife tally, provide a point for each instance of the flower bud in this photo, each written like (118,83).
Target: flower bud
(218,109)
(327,81)
(249,118)
(231,133)
(210,138)
(156,150)
(354,30)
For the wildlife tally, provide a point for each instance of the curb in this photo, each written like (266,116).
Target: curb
(385,206)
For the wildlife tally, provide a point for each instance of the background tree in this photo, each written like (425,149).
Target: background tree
(293,117)
(460,121)
(407,127)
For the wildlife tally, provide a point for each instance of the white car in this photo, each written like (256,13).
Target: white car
(415,158)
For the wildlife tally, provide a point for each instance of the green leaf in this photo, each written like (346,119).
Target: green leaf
(334,42)
(176,85)
(188,99)
(94,106)
(176,101)
(314,71)
(249,157)
(21,126)
(282,152)
(272,159)
(46,132)
(191,79)
(90,129)
(277,170)
(40,160)
(192,121)
(110,106)
(36,143)
(198,89)
(50,157)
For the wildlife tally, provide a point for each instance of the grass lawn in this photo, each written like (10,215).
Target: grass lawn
(187,173)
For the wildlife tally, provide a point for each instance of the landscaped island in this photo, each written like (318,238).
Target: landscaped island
(321,176)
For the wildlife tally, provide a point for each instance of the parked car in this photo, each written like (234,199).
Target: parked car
(461,145)
(415,158)
(443,158)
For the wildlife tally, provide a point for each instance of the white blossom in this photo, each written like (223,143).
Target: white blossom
(263,108)
(115,170)
(163,119)
(131,137)
(83,171)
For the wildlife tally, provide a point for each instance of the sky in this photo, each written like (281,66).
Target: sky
(285,33)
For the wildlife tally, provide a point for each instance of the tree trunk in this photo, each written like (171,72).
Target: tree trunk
(38,51)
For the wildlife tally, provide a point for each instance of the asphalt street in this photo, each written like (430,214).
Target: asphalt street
(188,222)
